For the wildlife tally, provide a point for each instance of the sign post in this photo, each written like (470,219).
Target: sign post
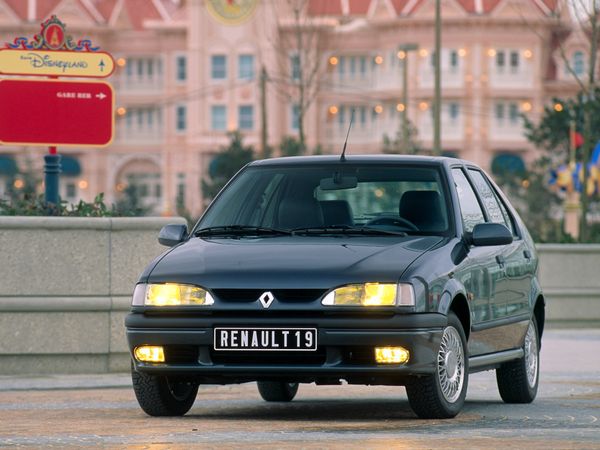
(52,112)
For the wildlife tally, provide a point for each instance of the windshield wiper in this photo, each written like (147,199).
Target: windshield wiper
(346,229)
(240,230)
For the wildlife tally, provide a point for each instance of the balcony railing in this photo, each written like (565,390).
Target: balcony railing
(138,85)
(507,131)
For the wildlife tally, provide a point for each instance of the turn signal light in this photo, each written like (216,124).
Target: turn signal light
(149,353)
(391,355)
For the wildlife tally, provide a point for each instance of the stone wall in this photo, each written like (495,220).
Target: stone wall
(570,277)
(65,287)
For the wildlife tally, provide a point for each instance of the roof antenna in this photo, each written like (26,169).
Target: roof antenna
(343,157)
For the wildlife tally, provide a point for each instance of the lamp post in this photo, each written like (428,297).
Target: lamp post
(438,83)
(403,55)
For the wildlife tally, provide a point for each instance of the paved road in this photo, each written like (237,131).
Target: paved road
(101,410)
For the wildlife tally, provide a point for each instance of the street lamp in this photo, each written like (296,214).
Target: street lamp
(403,54)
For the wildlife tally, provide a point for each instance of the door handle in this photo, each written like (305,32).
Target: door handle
(527,254)
(500,260)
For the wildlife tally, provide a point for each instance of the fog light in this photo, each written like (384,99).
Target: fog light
(149,353)
(391,355)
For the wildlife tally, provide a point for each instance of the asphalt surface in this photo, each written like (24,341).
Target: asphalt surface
(101,410)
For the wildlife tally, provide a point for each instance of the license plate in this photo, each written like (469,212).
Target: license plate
(266,339)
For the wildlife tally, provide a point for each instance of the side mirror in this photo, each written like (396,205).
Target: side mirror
(488,234)
(171,235)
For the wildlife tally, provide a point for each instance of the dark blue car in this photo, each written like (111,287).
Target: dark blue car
(389,270)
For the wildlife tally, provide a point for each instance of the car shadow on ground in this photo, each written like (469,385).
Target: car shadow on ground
(346,410)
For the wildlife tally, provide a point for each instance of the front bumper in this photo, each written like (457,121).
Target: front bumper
(345,348)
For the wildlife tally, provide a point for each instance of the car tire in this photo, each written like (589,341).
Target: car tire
(277,391)
(518,380)
(162,396)
(442,395)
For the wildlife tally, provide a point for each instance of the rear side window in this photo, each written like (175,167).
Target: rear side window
(469,206)
(496,210)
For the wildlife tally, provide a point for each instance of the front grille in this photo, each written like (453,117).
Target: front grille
(282,295)
(181,354)
(269,358)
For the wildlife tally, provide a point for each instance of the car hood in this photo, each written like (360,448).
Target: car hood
(288,262)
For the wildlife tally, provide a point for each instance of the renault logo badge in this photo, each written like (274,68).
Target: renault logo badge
(266,299)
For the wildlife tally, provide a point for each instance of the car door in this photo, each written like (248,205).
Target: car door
(481,273)
(515,257)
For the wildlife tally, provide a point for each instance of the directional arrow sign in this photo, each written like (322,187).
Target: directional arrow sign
(56,63)
(51,113)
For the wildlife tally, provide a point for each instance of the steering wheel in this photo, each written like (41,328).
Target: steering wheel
(395,221)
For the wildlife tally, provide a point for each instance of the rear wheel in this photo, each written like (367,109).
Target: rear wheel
(518,380)
(163,396)
(277,391)
(442,395)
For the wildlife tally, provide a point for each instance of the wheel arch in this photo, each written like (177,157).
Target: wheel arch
(460,307)
(539,312)
(454,299)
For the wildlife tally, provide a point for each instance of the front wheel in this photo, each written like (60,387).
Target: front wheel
(442,395)
(518,380)
(163,396)
(277,391)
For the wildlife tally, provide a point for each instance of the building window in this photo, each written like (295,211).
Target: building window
(180,199)
(363,116)
(295,67)
(514,61)
(342,116)
(295,116)
(181,118)
(246,117)
(363,65)
(150,66)
(150,118)
(499,112)
(453,111)
(513,113)
(500,59)
(71,190)
(218,118)
(341,66)
(453,59)
(578,63)
(352,66)
(181,68)
(218,67)
(246,67)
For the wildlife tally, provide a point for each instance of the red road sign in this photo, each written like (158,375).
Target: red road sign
(51,113)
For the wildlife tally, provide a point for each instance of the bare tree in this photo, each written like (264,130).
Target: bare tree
(299,45)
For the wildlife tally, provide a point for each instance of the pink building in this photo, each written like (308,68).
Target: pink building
(193,73)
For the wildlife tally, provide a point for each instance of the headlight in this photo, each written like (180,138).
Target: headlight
(171,294)
(371,294)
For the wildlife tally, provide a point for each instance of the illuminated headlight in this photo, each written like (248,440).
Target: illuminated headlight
(170,294)
(371,294)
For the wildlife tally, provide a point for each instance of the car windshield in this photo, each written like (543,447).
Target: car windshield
(331,199)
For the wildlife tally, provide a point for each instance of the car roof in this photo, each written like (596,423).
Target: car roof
(361,159)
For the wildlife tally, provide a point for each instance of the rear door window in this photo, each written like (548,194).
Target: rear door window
(470,209)
(496,210)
